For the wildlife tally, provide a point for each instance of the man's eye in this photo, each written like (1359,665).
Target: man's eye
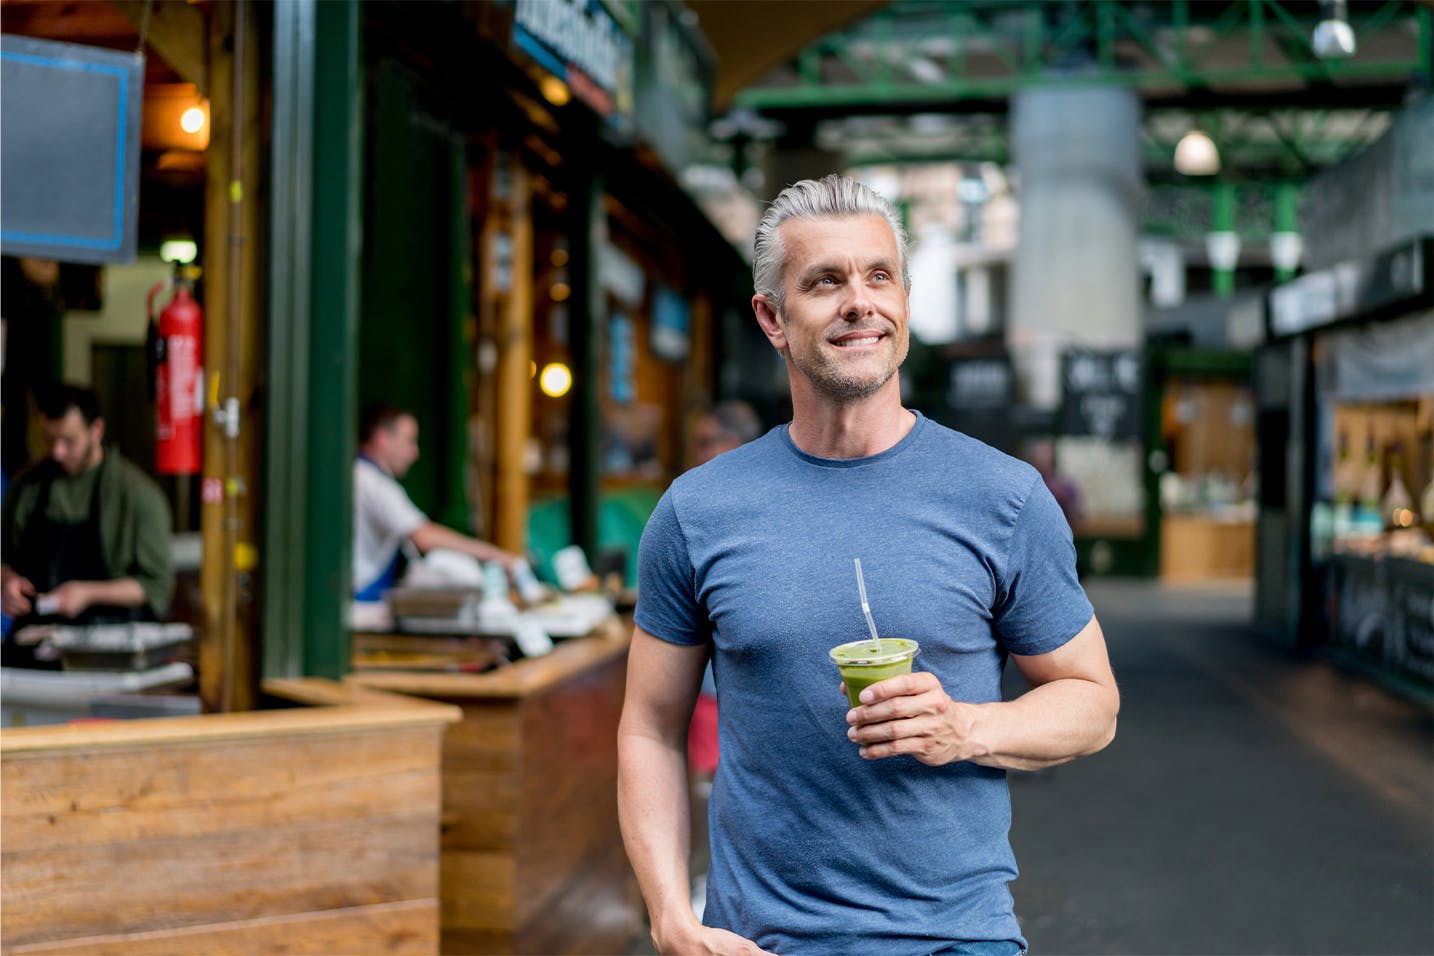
(881,275)
(825,280)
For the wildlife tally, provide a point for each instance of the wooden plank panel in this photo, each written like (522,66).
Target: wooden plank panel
(597,913)
(478,890)
(569,801)
(87,797)
(480,811)
(408,928)
(214,878)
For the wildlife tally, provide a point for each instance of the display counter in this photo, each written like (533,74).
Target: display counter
(1384,613)
(1202,547)
(310,827)
(532,858)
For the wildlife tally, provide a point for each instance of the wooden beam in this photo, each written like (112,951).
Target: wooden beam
(515,353)
(233,358)
(178,33)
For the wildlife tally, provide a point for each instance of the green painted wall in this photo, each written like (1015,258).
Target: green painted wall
(411,350)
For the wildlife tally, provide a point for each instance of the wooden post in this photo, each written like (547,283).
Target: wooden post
(233,334)
(515,356)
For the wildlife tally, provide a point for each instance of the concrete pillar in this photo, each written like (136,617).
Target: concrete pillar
(1075,279)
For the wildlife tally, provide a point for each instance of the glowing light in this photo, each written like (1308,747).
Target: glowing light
(1401,517)
(532,369)
(192,120)
(1196,155)
(559,257)
(555,380)
(559,292)
(554,90)
(178,250)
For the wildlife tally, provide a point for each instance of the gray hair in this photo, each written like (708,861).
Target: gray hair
(832,196)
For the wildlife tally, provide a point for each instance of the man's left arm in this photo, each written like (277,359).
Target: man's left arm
(1069,712)
(73,598)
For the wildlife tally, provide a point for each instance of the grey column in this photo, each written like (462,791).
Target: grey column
(1075,279)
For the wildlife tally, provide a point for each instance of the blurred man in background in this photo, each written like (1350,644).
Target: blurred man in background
(386,520)
(86,533)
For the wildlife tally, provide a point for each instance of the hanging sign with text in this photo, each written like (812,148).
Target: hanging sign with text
(1103,394)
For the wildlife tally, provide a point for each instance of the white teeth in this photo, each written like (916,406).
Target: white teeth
(861,341)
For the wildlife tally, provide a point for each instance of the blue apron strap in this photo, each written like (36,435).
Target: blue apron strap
(389,577)
(386,580)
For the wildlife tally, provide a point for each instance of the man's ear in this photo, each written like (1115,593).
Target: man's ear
(770,320)
(98,427)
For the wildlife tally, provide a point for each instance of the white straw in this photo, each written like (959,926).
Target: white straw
(865,607)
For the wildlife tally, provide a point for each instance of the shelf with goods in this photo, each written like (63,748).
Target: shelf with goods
(1371,523)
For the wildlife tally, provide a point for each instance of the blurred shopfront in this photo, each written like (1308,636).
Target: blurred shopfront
(468,210)
(1345,422)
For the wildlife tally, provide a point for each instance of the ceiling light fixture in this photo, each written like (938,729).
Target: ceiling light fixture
(1333,36)
(1196,155)
(192,120)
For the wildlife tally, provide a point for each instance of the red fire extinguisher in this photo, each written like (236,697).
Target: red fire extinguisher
(177,360)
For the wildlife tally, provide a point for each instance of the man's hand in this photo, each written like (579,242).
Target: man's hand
(72,598)
(16,592)
(912,714)
(706,941)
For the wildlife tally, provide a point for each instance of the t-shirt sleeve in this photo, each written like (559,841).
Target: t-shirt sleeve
(667,605)
(1041,604)
(384,504)
(153,556)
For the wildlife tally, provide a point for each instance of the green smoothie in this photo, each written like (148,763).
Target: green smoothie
(862,665)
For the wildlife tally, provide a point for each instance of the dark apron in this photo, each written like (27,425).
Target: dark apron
(50,553)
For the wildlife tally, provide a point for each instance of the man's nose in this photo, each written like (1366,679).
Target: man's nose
(858,303)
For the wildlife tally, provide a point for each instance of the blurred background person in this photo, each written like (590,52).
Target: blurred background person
(386,521)
(86,532)
(720,428)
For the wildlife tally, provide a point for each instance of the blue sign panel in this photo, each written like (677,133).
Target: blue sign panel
(69,150)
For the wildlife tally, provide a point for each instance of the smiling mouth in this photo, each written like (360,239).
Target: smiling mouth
(857,341)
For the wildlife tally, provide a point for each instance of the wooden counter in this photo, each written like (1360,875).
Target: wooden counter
(312,828)
(1202,548)
(532,857)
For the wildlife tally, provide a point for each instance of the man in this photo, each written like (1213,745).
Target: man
(385,518)
(880,828)
(86,533)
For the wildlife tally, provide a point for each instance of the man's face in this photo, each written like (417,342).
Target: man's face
(75,446)
(843,325)
(398,445)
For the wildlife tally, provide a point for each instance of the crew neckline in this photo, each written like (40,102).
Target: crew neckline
(881,456)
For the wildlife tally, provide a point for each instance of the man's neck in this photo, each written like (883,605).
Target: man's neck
(94,463)
(859,430)
(372,458)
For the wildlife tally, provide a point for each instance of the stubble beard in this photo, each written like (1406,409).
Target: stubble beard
(841,384)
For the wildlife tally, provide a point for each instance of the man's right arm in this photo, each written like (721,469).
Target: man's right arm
(662,684)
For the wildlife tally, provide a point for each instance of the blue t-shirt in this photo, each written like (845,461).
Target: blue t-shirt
(963,549)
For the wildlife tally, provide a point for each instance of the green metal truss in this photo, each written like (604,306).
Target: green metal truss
(919,54)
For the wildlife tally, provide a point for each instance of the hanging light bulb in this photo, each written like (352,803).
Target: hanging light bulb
(1196,155)
(1333,36)
(192,120)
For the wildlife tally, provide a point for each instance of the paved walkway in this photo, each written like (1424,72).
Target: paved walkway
(1254,802)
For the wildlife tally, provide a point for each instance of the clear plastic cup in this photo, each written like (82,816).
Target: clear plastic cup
(862,665)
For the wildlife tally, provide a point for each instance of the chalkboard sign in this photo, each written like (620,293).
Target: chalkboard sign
(69,150)
(980,392)
(1102,394)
